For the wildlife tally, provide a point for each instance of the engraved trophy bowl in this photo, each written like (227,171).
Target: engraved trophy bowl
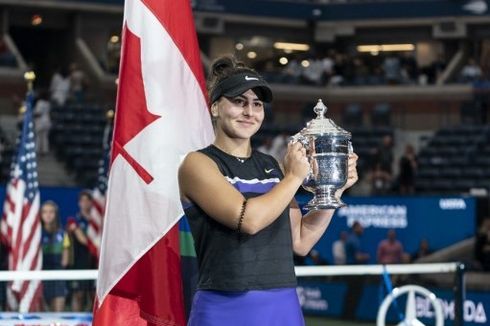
(327,148)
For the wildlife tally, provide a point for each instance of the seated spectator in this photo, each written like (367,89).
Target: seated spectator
(392,69)
(353,251)
(338,249)
(482,245)
(422,251)
(471,72)
(55,246)
(390,250)
(314,72)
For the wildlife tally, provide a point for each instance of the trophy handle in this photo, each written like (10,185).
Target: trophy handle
(305,142)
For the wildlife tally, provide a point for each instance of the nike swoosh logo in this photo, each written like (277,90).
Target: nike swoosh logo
(268,170)
(251,78)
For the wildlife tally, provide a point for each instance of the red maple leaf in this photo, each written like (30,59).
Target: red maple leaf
(132,115)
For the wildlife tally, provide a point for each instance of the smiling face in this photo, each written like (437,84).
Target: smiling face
(239,117)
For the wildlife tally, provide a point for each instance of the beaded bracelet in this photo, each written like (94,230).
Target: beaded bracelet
(242,214)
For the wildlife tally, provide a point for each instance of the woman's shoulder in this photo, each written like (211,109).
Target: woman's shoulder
(197,160)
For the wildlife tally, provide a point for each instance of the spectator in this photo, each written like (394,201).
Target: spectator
(82,259)
(482,245)
(338,249)
(390,250)
(392,69)
(293,71)
(353,251)
(380,180)
(314,72)
(471,72)
(408,170)
(42,122)
(422,251)
(55,246)
(78,83)
(384,154)
(60,87)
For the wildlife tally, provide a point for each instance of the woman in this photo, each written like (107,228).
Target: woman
(238,204)
(55,244)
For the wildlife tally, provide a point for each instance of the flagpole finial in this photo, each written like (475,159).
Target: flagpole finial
(30,76)
(110,114)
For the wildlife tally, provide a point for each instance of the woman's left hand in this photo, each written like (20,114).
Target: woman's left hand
(352,172)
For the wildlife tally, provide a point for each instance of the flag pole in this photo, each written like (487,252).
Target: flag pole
(30,77)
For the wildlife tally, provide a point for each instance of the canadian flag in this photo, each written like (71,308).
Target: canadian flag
(161,115)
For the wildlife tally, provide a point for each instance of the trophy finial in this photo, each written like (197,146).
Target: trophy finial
(320,109)
(30,76)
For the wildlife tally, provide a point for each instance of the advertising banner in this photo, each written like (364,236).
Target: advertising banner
(442,221)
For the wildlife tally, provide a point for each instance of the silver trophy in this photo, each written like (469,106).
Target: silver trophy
(327,148)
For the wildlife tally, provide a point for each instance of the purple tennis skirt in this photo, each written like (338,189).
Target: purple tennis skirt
(250,308)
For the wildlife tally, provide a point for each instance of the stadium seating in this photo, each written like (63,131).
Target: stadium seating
(77,136)
(455,160)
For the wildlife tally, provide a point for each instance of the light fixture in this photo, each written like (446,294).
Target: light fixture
(305,63)
(291,46)
(376,48)
(252,55)
(114,39)
(36,20)
(239,46)
(283,60)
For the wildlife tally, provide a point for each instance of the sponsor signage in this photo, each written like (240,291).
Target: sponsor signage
(320,298)
(443,221)
(327,299)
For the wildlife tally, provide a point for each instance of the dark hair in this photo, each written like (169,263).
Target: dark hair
(223,67)
(85,193)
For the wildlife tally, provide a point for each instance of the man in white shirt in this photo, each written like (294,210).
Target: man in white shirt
(338,249)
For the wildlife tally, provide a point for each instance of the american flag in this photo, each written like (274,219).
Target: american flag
(21,225)
(94,230)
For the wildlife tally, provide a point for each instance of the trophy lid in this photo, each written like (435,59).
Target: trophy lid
(322,125)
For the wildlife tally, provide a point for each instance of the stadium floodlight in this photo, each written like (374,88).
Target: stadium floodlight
(291,46)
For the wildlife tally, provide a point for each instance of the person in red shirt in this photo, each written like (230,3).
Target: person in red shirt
(390,250)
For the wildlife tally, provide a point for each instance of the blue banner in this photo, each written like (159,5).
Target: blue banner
(65,197)
(443,221)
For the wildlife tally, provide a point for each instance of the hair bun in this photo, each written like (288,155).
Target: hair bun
(223,64)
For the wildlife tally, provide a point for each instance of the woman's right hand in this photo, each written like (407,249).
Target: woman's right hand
(296,161)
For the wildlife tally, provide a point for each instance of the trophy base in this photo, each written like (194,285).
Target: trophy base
(324,199)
